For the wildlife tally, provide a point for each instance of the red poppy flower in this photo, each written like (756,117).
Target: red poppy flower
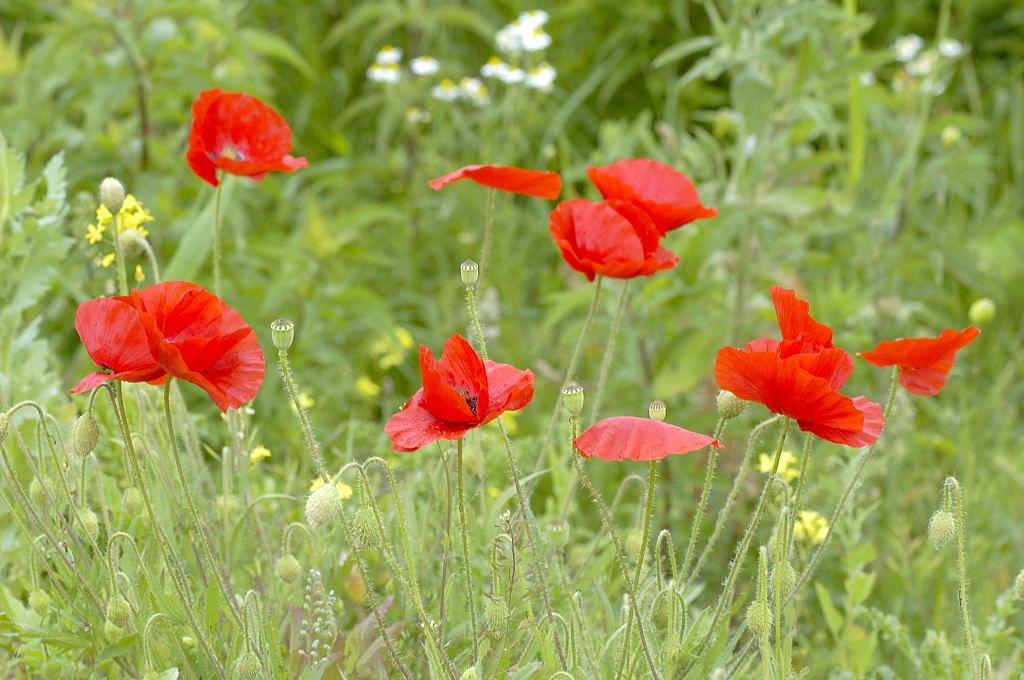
(786,386)
(240,135)
(611,238)
(172,329)
(460,392)
(668,196)
(924,362)
(539,183)
(640,439)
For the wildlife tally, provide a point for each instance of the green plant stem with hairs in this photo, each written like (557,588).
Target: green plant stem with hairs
(798,495)
(709,477)
(955,502)
(217,234)
(620,556)
(308,434)
(467,566)
(609,354)
(485,246)
(648,511)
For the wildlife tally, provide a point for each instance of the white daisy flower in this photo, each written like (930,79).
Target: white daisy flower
(933,86)
(512,74)
(907,47)
(533,18)
(923,64)
(384,73)
(389,55)
(446,91)
(950,48)
(542,78)
(494,68)
(424,66)
(867,79)
(414,115)
(473,90)
(536,40)
(509,39)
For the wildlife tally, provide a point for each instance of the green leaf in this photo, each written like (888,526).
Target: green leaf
(274,46)
(684,48)
(833,619)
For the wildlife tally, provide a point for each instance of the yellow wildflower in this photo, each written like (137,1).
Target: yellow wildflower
(510,418)
(107,260)
(389,349)
(811,527)
(344,490)
(788,469)
(94,233)
(366,387)
(404,338)
(140,275)
(306,402)
(493,491)
(259,453)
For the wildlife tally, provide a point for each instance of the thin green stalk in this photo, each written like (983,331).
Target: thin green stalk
(197,523)
(151,256)
(217,235)
(122,271)
(312,443)
(609,353)
(648,511)
(804,460)
(730,500)
(466,564)
(957,502)
(620,557)
(744,545)
(709,477)
(485,247)
(762,600)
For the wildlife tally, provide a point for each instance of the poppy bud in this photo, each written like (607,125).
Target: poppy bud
(112,631)
(132,501)
(282,332)
(634,544)
(981,312)
(323,506)
(729,405)
(37,492)
(364,524)
(657,411)
(131,242)
(950,135)
(118,610)
(248,666)
(288,568)
(941,529)
(759,618)
(557,530)
(85,435)
(470,674)
(1018,585)
(112,195)
(786,580)
(986,667)
(496,613)
(5,426)
(88,523)
(39,601)
(470,273)
(660,613)
(572,397)
(188,642)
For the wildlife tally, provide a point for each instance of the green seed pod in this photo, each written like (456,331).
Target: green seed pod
(288,568)
(112,631)
(88,524)
(557,530)
(282,332)
(37,492)
(470,271)
(759,619)
(248,666)
(132,501)
(496,613)
(323,506)
(118,610)
(729,405)
(662,610)
(132,242)
(364,524)
(983,311)
(39,600)
(85,435)
(941,529)
(786,579)
(657,410)
(1018,585)
(572,398)
(112,195)
(188,642)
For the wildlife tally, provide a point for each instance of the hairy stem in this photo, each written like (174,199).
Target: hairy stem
(705,492)
(957,502)
(609,353)
(466,564)
(648,511)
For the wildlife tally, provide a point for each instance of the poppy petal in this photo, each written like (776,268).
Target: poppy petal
(510,388)
(638,439)
(113,336)
(414,426)
(539,183)
(924,362)
(796,323)
(834,365)
(450,384)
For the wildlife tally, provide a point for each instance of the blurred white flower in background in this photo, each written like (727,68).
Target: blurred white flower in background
(494,68)
(535,40)
(414,115)
(924,64)
(389,55)
(525,34)
(907,47)
(446,91)
(950,48)
(424,66)
(867,79)
(542,77)
(533,18)
(473,90)
(513,74)
(384,73)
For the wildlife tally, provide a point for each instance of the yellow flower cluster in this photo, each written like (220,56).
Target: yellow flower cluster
(788,470)
(344,490)
(259,453)
(389,349)
(133,215)
(811,527)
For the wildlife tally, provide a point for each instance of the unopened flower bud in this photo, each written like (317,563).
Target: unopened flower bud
(557,530)
(364,525)
(729,405)
(248,666)
(282,332)
(661,611)
(982,311)
(950,135)
(572,397)
(132,501)
(112,631)
(88,523)
(470,271)
(85,435)
(986,667)
(759,618)
(657,410)
(634,544)
(37,492)
(941,529)
(1018,585)
(39,600)
(132,242)
(496,613)
(470,674)
(118,610)
(288,568)
(112,195)
(323,506)
(188,642)
(784,579)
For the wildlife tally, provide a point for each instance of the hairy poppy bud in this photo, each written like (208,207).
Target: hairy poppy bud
(557,530)
(112,195)
(572,397)
(248,666)
(118,610)
(37,492)
(634,544)
(364,524)
(496,613)
(657,411)
(785,581)
(85,435)
(323,506)
(39,601)
(288,568)
(661,612)
(88,523)
(1018,585)
(941,529)
(112,631)
(132,242)
(759,618)
(5,426)
(982,311)
(729,405)
(132,501)
(470,271)
(282,332)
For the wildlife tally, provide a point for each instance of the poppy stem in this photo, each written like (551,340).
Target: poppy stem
(122,270)
(216,234)
(609,352)
(620,556)
(639,560)
(312,443)
(730,500)
(485,247)
(744,545)
(709,477)
(804,459)
(466,564)
(956,504)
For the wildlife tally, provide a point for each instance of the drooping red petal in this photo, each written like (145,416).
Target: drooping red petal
(113,336)
(455,388)
(798,327)
(510,389)
(666,194)
(834,365)
(414,426)
(539,183)
(639,439)
(924,362)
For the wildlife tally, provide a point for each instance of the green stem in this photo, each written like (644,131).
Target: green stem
(956,496)
(466,564)
(648,511)
(217,235)
(609,353)
(122,270)
(709,477)
(151,256)
(312,443)
(197,523)
(804,460)
(744,545)
(485,247)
